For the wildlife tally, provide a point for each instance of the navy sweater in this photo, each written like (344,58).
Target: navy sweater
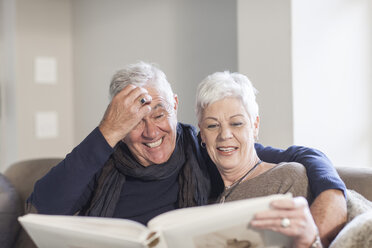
(68,187)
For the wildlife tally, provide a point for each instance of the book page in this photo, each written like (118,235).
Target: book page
(218,226)
(83,232)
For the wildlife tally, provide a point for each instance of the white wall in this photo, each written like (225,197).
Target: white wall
(8,134)
(299,54)
(37,28)
(264,55)
(332,78)
(91,39)
(187,39)
(311,61)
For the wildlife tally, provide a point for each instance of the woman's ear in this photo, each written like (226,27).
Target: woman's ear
(201,133)
(202,142)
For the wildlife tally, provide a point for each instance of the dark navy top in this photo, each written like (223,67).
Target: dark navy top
(68,187)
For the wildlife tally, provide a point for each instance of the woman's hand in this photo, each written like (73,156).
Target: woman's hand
(300,226)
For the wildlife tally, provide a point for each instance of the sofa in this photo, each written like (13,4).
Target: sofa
(17,182)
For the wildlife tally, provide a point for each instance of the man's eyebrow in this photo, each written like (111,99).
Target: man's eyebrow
(159,105)
(237,115)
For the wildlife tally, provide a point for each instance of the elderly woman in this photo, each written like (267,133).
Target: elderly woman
(228,120)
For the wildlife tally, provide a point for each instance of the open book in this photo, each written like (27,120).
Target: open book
(213,226)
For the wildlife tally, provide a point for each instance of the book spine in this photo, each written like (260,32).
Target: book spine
(155,240)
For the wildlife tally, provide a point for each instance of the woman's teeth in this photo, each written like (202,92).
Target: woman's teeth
(226,149)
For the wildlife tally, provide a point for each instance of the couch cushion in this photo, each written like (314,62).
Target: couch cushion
(357,233)
(10,208)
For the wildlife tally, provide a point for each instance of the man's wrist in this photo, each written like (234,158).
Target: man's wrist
(109,135)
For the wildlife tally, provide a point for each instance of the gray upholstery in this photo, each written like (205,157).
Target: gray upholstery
(358,179)
(10,209)
(23,176)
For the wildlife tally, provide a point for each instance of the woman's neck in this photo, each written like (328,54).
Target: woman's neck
(240,173)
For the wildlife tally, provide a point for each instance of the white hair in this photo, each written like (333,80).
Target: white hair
(142,74)
(220,85)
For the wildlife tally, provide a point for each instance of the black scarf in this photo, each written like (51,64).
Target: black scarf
(186,160)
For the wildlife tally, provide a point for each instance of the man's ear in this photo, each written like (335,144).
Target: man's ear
(175,102)
(256,126)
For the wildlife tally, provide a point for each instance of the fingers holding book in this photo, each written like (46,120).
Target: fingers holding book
(291,217)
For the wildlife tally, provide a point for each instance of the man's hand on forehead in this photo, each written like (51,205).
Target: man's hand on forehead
(125,111)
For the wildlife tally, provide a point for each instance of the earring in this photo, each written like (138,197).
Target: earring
(202,144)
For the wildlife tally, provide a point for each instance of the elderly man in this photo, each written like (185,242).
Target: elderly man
(140,162)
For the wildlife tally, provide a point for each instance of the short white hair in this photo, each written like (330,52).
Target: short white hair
(220,85)
(142,74)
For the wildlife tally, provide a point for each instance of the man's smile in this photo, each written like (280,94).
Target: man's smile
(154,144)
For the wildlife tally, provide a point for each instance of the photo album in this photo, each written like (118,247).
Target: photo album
(212,226)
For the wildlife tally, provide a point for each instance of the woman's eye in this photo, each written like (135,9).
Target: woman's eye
(211,126)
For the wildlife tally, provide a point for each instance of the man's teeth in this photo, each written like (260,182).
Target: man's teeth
(154,144)
(226,149)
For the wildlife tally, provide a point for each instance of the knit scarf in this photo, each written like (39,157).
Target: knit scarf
(186,160)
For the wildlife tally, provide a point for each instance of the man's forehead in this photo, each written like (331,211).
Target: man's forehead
(159,99)
(155,93)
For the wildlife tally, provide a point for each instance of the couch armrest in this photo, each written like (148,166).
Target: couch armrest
(10,208)
(358,179)
(24,174)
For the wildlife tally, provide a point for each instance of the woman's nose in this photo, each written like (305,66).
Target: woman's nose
(225,133)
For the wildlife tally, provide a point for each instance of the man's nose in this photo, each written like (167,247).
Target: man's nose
(225,133)
(151,130)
